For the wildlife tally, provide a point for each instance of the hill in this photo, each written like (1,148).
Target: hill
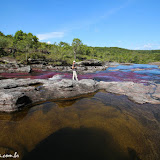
(24,46)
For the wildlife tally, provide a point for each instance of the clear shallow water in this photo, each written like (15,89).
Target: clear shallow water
(134,66)
(97,126)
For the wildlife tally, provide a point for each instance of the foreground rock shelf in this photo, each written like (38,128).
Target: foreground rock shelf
(17,93)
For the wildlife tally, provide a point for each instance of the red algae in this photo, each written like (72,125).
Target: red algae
(107,76)
(120,73)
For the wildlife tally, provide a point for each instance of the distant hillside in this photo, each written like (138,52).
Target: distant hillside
(23,46)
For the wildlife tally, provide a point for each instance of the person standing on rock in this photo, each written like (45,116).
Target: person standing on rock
(74,71)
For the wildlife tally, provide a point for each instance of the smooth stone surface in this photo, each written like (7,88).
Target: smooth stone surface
(21,92)
(17,93)
(138,92)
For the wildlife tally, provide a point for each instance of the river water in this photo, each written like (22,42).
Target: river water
(99,126)
(135,73)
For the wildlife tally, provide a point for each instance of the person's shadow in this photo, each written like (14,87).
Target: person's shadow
(79,144)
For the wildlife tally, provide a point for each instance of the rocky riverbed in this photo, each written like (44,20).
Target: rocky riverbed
(18,93)
(90,66)
(139,82)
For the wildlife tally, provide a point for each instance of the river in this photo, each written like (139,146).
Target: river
(95,126)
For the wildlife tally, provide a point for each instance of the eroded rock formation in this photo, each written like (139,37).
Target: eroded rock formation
(17,93)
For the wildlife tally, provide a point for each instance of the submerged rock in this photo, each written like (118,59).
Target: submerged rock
(17,93)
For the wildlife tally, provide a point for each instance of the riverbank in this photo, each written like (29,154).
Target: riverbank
(18,93)
(10,65)
(83,67)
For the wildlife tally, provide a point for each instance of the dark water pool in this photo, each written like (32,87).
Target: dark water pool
(97,126)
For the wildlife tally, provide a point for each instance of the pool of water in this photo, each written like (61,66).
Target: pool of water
(137,73)
(96,126)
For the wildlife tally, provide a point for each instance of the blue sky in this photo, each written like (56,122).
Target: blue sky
(132,24)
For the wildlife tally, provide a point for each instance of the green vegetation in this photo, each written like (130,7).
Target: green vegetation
(23,46)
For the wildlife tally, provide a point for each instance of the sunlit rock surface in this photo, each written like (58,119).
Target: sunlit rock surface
(21,92)
(137,92)
(17,93)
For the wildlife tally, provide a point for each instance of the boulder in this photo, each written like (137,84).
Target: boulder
(24,69)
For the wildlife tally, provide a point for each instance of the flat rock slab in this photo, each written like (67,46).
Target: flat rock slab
(138,92)
(17,93)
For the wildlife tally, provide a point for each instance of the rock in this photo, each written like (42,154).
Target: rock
(15,83)
(137,69)
(67,88)
(90,69)
(82,67)
(156,93)
(11,101)
(37,66)
(112,64)
(92,62)
(14,68)
(155,63)
(56,77)
(24,69)
(114,69)
(37,61)
(137,92)
(126,64)
(17,93)
(8,60)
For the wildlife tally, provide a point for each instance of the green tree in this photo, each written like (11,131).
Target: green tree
(76,45)
(1,34)
(4,42)
(19,35)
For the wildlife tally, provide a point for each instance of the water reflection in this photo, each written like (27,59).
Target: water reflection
(80,143)
(100,126)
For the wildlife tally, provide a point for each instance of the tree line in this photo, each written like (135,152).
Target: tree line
(23,46)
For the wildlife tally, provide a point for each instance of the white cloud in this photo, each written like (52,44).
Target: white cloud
(48,42)
(148,46)
(50,35)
